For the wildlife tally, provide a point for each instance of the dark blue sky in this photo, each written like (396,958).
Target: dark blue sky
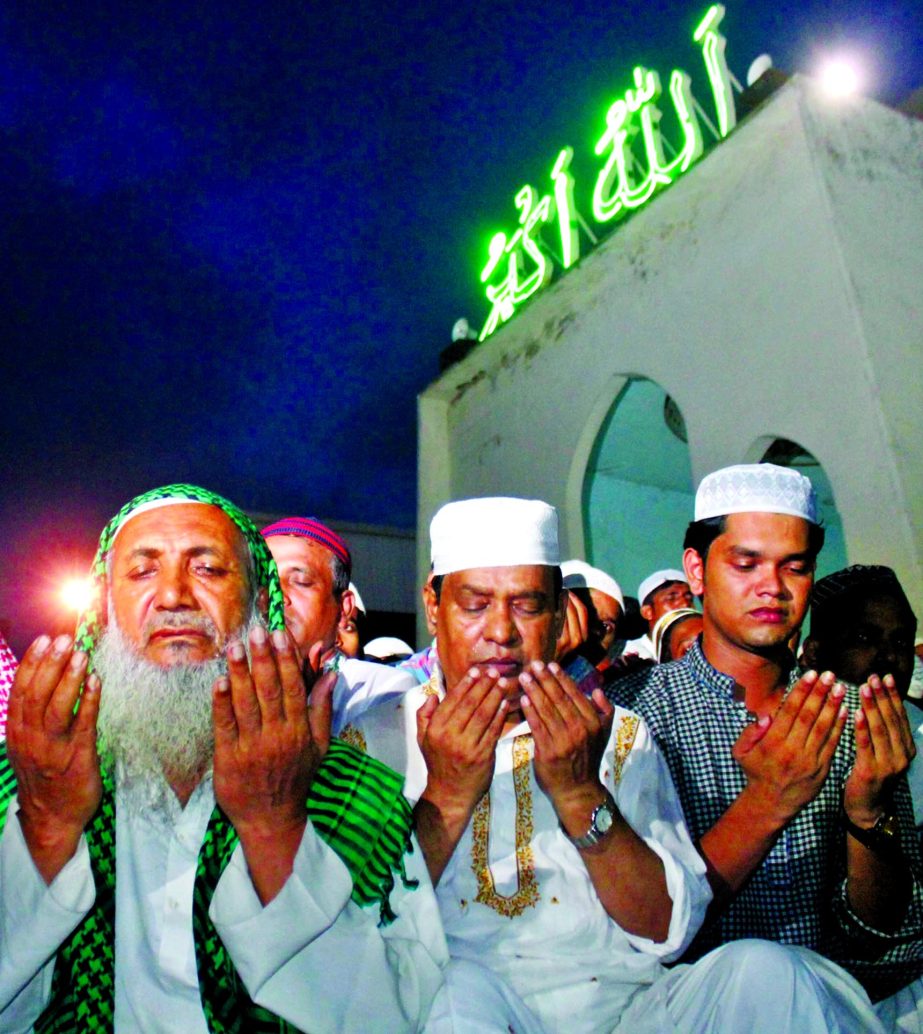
(234,238)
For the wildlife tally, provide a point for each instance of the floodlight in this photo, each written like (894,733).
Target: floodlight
(839,77)
(77,594)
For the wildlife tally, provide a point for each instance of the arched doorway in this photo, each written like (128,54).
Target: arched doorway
(787,453)
(637,491)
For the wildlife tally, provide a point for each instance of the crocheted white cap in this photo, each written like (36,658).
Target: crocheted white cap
(756,488)
(658,578)
(578,574)
(497,531)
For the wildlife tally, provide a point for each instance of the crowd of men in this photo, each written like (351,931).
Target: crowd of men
(215,815)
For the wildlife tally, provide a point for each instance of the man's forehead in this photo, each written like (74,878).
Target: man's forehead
(296,549)
(600,597)
(887,608)
(509,580)
(187,525)
(674,586)
(758,528)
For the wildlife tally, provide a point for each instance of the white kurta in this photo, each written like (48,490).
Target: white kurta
(516,897)
(299,956)
(642,647)
(363,683)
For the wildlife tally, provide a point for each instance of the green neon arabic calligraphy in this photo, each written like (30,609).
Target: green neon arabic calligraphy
(634,168)
(614,191)
(713,46)
(515,288)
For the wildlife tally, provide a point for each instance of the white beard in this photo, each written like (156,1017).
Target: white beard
(155,720)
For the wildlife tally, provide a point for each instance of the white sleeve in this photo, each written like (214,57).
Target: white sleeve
(362,684)
(647,799)
(323,963)
(35,919)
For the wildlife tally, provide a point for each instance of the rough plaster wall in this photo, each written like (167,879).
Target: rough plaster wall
(870,161)
(729,291)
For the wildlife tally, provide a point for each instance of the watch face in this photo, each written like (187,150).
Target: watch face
(603,819)
(888,827)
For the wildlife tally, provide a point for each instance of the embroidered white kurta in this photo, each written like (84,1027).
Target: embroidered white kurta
(516,896)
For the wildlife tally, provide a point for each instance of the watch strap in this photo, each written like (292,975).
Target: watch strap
(883,836)
(594,834)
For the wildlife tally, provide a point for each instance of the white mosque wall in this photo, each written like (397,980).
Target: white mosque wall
(773,292)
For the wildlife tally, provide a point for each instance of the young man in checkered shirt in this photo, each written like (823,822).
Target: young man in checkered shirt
(794,790)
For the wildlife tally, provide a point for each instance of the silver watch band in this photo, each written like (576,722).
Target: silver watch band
(594,834)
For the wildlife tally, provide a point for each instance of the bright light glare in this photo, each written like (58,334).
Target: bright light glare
(839,78)
(77,594)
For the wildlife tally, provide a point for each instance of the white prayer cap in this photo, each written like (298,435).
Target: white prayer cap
(387,646)
(665,622)
(653,581)
(493,532)
(756,488)
(357,599)
(580,575)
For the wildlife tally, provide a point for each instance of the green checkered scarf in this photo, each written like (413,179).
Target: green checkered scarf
(356,806)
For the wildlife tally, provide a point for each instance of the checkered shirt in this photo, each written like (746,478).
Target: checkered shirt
(798,894)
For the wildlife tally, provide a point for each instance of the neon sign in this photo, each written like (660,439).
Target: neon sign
(633,149)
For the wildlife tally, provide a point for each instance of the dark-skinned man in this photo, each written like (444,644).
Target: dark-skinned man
(564,872)
(793,788)
(184,847)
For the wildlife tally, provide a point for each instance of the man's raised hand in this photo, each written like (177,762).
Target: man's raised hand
(884,750)
(458,737)
(786,766)
(51,742)
(268,745)
(570,733)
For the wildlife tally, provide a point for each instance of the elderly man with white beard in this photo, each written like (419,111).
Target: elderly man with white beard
(183,846)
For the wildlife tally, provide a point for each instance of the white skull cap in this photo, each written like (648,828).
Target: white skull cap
(578,574)
(653,582)
(357,599)
(756,488)
(387,646)
(495,531)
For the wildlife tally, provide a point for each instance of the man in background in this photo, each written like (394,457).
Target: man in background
(314,566)
(660,592)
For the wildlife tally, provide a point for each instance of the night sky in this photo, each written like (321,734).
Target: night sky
(235,237)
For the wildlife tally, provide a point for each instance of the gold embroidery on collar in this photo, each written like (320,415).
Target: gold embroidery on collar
(527,892)
(624,740)
(354,737)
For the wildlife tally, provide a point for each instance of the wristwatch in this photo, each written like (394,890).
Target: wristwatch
(600,823)
(883,836)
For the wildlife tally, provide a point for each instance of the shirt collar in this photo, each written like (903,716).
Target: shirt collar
(703,672)
(710,678)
